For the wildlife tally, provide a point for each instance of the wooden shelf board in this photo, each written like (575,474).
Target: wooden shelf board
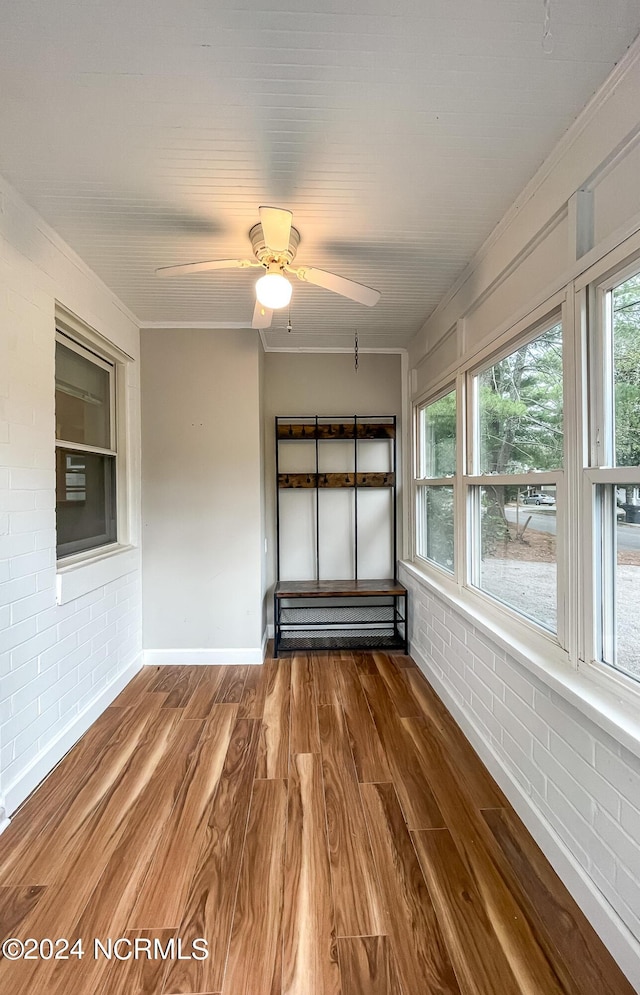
(338,588)
(306,432)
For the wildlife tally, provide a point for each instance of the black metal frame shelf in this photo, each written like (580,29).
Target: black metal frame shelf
(338,615)
(316,639)
(337,620)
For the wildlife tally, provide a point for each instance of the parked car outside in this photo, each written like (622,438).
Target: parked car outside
(538,499)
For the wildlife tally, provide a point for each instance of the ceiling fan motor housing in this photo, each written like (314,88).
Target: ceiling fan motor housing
(266,255)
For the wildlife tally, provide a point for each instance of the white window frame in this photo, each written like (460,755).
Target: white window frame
(599,471)
(473,479)
(419,482)
(84,571)
(111,451)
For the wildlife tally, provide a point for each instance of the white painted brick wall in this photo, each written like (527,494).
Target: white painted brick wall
(581,781)
(56,659)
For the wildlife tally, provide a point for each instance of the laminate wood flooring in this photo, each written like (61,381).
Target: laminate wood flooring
(320,821)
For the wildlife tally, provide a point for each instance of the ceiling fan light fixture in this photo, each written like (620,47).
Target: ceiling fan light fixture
(273,290)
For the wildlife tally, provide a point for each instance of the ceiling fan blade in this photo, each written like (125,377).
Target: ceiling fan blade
(276,227)
(339,285)
(209,264)
(261,316)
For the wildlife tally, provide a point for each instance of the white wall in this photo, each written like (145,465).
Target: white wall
(59,664)
(201,496)
(573,777)
(323,384)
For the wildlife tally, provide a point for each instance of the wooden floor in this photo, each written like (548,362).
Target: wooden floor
(320,821)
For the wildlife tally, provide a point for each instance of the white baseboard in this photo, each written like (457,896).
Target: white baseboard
(613,932)
(202,657)
(52,754)
(3,825)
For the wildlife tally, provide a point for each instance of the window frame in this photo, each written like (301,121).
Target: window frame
(542,644)
(609,697)
(600,475)
(420,483)
(75,334)
(473,480)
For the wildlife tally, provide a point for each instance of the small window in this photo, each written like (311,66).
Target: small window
(436,469)
(436,525)
(438,437)
(85,449)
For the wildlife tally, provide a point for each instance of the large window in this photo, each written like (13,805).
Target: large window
(85,449)
(435,470)
(517,454)
(522,539)
(511,500)
(615,476)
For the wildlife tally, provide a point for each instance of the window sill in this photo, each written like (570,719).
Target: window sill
(77,576)
(614,709)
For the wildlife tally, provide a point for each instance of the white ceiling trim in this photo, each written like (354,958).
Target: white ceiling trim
(342,350)
(186,325)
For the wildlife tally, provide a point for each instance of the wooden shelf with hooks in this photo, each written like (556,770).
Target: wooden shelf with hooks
(312,480)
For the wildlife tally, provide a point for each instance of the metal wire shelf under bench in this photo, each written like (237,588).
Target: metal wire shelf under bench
(325,624)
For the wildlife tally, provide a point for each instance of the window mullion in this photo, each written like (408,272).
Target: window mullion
(82,448)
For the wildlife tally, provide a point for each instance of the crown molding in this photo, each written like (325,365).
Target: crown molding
(340,350)
(188,325)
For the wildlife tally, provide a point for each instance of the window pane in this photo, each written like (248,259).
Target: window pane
(623,652)
(85,500)
(82,400)
(518,564)
(438,437)
(520,408)
(435,525)
(626,371)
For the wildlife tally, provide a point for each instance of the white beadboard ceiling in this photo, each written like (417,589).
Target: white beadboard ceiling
(147,132)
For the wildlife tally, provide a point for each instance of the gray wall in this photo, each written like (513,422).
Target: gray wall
(323,384)
(201,485)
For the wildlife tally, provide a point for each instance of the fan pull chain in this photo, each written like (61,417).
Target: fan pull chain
(289,321)
(547,37)
(355,351)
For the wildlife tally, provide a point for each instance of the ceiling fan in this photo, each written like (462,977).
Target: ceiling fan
(275,242)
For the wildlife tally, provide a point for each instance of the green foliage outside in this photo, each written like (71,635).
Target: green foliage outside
(520,410)
(626,371)
(439,437)
(520,403)
(521,423)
